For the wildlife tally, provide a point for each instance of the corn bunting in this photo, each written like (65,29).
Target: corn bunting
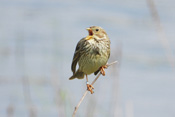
(91,54)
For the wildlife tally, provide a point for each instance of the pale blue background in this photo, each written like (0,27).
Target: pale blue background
(37,42)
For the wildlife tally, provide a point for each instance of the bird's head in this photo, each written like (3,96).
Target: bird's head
(96,32)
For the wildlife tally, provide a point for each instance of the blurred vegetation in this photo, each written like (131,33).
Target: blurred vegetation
(37,41)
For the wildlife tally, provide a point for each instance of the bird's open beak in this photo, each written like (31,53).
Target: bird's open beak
(90,31)
(90,34)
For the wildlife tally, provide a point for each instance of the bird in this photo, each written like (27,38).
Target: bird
(91,54)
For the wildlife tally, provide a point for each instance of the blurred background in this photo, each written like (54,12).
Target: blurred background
(37,43)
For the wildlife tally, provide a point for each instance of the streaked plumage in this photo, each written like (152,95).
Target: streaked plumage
(91,53)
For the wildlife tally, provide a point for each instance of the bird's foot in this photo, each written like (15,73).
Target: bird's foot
(90,88)
(102,69)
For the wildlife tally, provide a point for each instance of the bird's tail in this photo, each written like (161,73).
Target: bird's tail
(78,74)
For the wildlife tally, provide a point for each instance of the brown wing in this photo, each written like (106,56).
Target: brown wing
(109,49)
(77,55)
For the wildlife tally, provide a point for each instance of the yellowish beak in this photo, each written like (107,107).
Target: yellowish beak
(88,29)
(90,34)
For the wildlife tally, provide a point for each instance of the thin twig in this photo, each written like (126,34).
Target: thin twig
(85,93)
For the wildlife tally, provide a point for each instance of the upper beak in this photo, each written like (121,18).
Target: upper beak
(90,31)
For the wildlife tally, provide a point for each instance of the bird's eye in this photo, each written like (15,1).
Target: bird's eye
(97,30)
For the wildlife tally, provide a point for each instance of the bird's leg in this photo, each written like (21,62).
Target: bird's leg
(89,87)
(102,69)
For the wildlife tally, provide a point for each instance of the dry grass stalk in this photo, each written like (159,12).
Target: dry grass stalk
(85,93)
(161,33)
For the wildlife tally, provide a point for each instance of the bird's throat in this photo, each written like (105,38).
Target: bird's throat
(89,37)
